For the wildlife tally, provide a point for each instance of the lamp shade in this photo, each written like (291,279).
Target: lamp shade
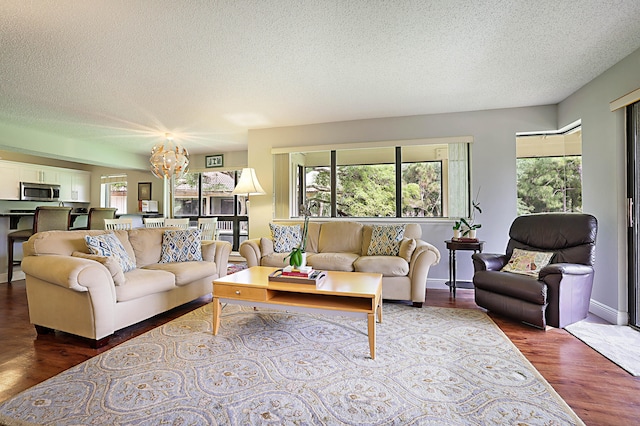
(248,184)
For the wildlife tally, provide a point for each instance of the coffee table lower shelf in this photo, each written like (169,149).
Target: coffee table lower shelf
(356,295)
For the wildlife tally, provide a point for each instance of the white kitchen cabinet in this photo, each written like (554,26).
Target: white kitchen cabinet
(75,186)
(81,186)
(10,188)
(39,174)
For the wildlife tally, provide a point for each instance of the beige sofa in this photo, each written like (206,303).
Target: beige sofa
(77,295)
(343,246)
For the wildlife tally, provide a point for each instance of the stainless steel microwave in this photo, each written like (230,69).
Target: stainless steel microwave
(39,191)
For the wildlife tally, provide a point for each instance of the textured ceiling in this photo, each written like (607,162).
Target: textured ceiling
(124,72)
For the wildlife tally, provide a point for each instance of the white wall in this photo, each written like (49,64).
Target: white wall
(604,182)
(493,166)
(493,169)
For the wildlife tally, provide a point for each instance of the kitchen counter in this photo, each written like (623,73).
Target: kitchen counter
(14,217)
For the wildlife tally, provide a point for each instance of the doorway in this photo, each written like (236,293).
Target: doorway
(633,222)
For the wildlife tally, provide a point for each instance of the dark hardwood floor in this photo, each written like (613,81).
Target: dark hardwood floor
(600,392)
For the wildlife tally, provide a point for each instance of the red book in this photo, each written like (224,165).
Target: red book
(296,274)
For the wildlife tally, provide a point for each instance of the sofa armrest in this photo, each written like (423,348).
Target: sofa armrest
(251,251)
(223,250)
(74,273)
(423,257)
(488,261)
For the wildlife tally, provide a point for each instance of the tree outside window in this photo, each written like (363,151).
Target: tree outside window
(549,172)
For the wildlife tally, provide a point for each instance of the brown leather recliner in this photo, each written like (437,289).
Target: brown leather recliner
(561,293)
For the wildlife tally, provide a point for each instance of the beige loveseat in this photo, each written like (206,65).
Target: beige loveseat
(343,246)
(77,295)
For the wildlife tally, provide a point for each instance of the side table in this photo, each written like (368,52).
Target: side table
(454,245)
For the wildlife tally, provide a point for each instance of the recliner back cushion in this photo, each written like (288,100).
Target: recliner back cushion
(571,236)
(340,237)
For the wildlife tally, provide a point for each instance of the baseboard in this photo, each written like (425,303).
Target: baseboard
(437,283)
(17,275)
(608,314)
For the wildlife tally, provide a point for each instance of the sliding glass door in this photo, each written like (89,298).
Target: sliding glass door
(633,204)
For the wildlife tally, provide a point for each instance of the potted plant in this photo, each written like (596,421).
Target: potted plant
(298,256)
(471,226)
(456,229)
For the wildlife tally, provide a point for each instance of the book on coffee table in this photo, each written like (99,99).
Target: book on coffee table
(313,278)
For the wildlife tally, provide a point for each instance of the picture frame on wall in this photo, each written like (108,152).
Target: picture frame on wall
(144,191)
(214,160)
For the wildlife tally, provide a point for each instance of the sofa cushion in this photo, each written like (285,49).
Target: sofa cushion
(142,282)
(385,240)
(388,266)
(181,245)
(110,245)
(274,259)
(266,246)
(147,245)
(333,261)
(186,272)
(517,286)
(58,242)
(109,262)
(340,237)
(285,237)
(407,247)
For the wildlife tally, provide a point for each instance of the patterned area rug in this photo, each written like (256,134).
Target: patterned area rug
(619,343)
(436,366)
(232,268)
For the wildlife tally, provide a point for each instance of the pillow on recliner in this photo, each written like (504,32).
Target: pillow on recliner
(527,262)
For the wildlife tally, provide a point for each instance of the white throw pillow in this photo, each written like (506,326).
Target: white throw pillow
(527,262)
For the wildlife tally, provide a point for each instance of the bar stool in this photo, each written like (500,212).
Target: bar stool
(46,218)
(97,215)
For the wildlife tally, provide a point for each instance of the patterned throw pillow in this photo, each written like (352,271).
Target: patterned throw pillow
(527,262)
(385,240)
(109,245)
(285,237)
(181,245)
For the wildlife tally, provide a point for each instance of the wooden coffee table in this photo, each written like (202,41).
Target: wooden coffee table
(351,293)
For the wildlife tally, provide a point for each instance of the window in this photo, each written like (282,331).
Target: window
(410,181)
(208,194)
(113,192)
(549,172)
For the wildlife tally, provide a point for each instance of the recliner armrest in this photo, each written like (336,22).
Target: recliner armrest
(565,269)
(488,261)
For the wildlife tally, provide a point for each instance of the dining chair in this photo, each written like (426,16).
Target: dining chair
(97,215)
(46,218)
(209,227)
(177,223)
(116,224)
(153,222)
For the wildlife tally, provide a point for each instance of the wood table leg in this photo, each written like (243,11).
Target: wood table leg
(216,315)
(380,311)
(371,319)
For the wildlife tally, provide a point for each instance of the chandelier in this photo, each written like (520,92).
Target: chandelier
(169,159)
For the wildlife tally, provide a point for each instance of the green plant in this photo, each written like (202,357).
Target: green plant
(471,225)
(456,225)
(296,255)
